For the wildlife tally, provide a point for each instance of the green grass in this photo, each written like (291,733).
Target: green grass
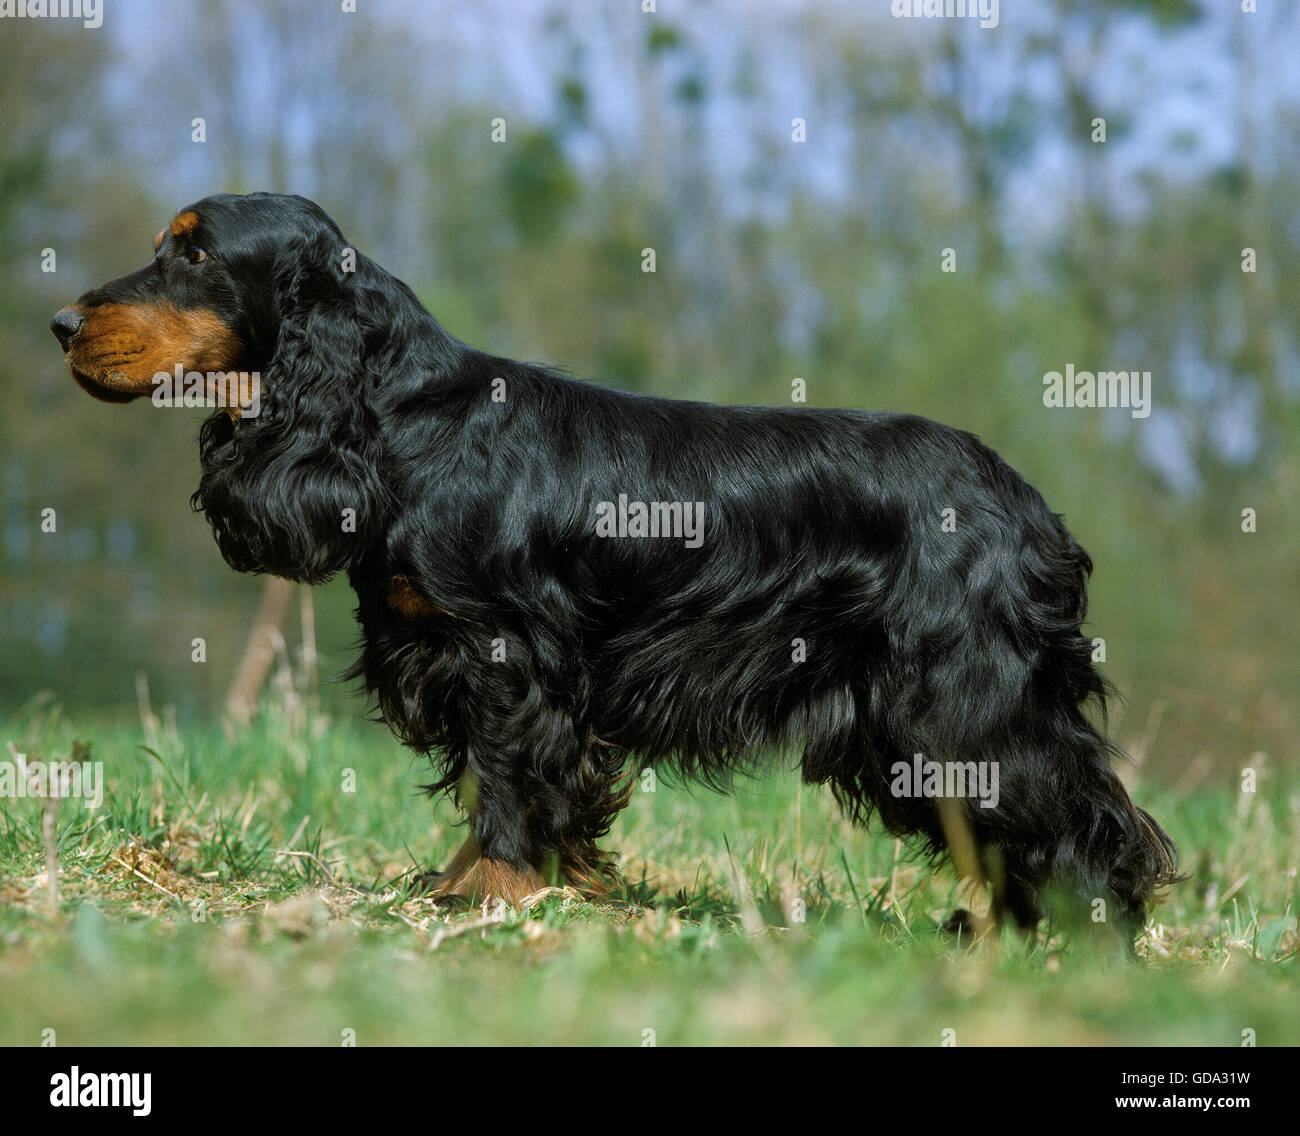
(229,891)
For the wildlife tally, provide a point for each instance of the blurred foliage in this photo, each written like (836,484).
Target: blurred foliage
(538,186)
(775,260)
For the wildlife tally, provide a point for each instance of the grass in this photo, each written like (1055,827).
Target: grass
(254,890)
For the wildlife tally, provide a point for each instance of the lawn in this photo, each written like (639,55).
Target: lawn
(254,889)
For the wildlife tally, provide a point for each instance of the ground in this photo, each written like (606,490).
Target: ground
(254,888)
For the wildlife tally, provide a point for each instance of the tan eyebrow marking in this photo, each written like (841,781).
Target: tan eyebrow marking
(185,224)
(157,241)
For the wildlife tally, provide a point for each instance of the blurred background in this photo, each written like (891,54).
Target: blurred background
(818,259)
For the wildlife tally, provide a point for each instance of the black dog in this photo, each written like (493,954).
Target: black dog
(558,581)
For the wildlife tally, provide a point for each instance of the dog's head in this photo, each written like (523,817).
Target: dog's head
(263,285)
(225,273)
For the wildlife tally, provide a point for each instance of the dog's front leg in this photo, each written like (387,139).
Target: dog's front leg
(538,787)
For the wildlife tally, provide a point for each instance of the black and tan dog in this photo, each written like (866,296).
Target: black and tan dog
(559,583)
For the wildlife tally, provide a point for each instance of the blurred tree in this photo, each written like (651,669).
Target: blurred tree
(775,259)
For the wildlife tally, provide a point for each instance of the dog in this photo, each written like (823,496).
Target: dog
(560,584)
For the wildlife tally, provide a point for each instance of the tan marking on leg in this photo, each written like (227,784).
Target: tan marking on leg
(479,880)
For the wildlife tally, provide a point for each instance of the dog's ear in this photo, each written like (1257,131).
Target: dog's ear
(295,490)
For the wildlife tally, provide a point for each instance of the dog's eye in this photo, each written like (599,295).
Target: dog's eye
(196,255)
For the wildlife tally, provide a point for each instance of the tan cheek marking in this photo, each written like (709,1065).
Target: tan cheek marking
(125,345)
(185,223)
(157,241)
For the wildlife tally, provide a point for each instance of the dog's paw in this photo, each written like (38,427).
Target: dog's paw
(961,923)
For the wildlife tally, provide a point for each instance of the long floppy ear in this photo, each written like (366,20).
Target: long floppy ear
(295,491)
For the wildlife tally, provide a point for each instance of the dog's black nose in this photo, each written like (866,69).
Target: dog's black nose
(66,324)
